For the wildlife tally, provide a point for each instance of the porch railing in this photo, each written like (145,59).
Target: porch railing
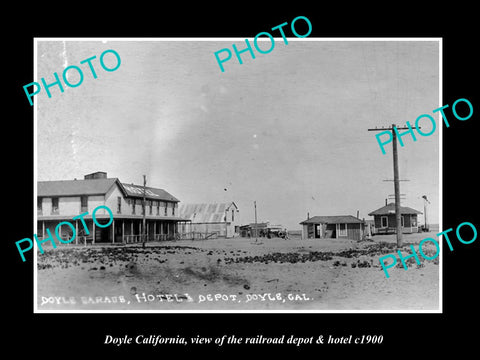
(128,239)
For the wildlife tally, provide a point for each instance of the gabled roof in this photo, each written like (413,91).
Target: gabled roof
(390,209)
(206,213)
(150,193)
(99,187)
(75,187)
(335,219)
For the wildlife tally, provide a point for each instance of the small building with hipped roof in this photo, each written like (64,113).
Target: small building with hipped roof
(386,222)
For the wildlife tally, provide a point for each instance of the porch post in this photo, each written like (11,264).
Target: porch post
(123,231)
(43,230)
(113,231)
(93,222)
(154,229)
(131,228)
(76,232)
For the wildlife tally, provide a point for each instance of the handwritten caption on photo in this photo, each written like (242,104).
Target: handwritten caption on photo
(176,298)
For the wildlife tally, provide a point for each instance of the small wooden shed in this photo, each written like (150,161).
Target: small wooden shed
(338,226)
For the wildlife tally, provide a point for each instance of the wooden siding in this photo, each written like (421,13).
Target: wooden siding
(408,221)
(354,231)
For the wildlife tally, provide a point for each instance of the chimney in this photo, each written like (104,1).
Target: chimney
(96,175)
(308,215)
(357,213)
(386,202)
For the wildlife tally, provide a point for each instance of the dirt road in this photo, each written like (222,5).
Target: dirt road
(236,275)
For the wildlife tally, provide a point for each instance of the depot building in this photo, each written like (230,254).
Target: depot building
(61,200)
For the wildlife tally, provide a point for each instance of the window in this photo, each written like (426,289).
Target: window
(414,221)
(384,221)
(173,209)
(151,206)
(158,207)
(143,206)
(54,205)
(233,215)
(166,206)
(39,206)
(119,204)
(342,229)
(403,221)
(133,206)
(83,204)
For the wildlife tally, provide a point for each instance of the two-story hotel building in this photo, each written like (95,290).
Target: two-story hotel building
(61,200)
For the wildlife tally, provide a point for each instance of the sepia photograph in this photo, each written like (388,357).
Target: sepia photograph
(169,178)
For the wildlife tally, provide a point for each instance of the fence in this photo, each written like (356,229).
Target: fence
(197,235)
(132,239)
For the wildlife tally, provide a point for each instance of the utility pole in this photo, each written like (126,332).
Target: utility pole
(396,180)
(392,196)
(396,185)
(226,223)
(144,212)
(256,228)
(425,201)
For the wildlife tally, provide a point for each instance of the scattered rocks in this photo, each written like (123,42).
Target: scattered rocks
(132,255)
(364,263)
(291,257)
(44,266)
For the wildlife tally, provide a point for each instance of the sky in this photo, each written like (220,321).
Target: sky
(287,129)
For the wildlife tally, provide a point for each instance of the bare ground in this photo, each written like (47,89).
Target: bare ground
(237,274)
